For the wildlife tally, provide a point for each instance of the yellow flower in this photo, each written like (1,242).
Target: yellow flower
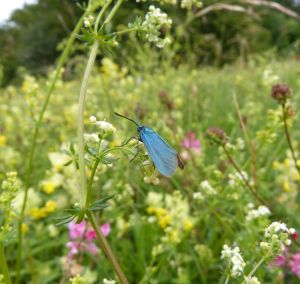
(25,228)
(48,187)
(276,165)
(3,140)
(38,213)
(174,236)
(188,225)
(151,210)
(286,162)
(50,206)
(160,212)
(164,221)
(286,186)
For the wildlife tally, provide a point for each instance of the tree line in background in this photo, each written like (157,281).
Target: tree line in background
(218,33)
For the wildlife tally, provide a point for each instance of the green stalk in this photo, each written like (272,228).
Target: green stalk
(112,12)
(256,267)
(3,265)
(29,169)
(288,137)
(81,106)
(90,184)
(84,190)
(100,15)
(107,250)
(246,182)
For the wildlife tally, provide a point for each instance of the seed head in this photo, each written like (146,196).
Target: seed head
(217,135)
(281,92)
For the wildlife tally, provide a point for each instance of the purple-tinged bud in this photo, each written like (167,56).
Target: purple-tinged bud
(281,92)
(217,135)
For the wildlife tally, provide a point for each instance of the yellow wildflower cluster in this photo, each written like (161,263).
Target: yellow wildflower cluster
(171,213)
(287,178)
(161,214)
(111,70)
(3,140)
(29,84)
(39,213)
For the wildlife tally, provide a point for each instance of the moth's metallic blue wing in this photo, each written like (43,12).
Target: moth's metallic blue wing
(162,154)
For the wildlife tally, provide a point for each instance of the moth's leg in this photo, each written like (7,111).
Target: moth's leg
(131,138)
(137,147)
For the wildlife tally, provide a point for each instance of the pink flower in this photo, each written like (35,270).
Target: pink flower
(90,235)
(82,237)
(91,248)
(105,229)
(76,230)
(191,142)
(279,261)
(295,264)
(74,248)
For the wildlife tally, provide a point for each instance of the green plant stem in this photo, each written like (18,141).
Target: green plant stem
(81,106)
(288,137)
(107,250)
(227,279)
(247,139)
(112,12)
(125,31)
(246,182)
(29,168)
(3,265)
(100,15)
(256,267)
(90,184)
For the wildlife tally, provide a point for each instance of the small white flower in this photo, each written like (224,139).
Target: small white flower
(155,19)
(88,21)
(106,281)
(207,188)
(93,119)
(198,196)
(259,212)
(236,261)
(91,137)
(188,4)
(106,126)
(251,280)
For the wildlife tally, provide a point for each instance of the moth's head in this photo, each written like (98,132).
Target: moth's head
(140,128)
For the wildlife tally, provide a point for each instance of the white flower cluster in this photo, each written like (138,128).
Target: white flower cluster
(251,280)
(106,281)
(189,4)
(185,4)
(103,125)
(235,260)
(237,178)
(155,19)
(88,21)
(276,238)
(153,177)
(205,189)
(256,213)
(92,138)
(269,77)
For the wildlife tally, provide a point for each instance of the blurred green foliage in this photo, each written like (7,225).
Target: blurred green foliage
(31,37)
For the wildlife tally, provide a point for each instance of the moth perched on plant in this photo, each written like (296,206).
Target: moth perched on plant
(164,157)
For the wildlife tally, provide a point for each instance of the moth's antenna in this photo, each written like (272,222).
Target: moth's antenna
(137,117)
(127,118)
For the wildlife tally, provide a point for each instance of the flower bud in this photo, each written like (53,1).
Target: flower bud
(281,92)
(217,135)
